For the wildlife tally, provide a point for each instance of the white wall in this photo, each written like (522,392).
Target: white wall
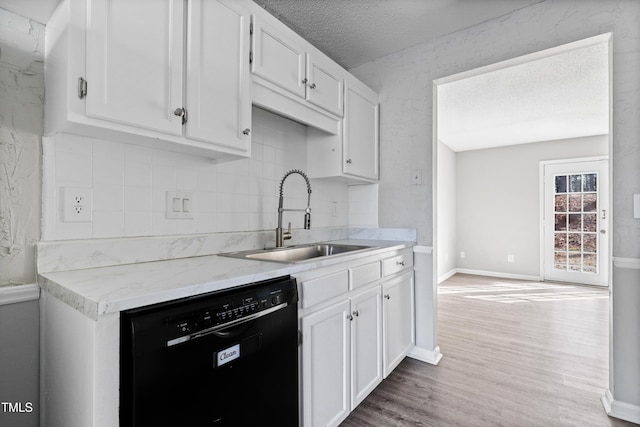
(21,122)
(130,183)
(404,82)
(498,199)
(446,245)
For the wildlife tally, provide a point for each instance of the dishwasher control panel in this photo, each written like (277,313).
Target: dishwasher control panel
(224,312)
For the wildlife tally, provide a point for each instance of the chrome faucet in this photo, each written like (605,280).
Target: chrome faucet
(282,235)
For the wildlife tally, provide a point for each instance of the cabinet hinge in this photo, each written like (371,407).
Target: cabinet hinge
(250,57)
(82,88)
(251,29)
(299,338)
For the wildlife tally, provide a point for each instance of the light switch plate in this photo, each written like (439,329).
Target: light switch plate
(180,205)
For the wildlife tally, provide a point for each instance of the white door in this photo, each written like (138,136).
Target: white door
(366,348)
(360,147)
(218,99)
(576,222)
(135,61)
(325,366)
(325,85)
(398,320)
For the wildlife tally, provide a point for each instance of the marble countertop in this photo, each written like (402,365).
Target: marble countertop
(103,290)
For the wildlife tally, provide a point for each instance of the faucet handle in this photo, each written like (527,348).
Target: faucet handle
(287,234)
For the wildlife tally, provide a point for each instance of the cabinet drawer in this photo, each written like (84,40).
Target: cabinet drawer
(397,263)
(363,274)
(324,288)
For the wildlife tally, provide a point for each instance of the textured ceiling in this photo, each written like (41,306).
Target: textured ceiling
(562,96)
(353,32)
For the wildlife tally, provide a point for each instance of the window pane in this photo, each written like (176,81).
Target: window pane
(590,223)
(575,203)
(591,182)
(561,222)
(575,262)
(590,263)
(575,183)
(560,261)
(561,203)
(560,241)
(589,202)
(561,184)
(575,222)
(590,242)
(575,242)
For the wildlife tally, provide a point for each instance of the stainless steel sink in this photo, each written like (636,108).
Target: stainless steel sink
(297,253)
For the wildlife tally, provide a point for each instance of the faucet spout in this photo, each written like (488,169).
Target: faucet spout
(282,235)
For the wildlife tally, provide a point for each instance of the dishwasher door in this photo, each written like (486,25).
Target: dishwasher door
(225,359)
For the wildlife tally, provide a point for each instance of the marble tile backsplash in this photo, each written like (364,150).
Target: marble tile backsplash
(130,183)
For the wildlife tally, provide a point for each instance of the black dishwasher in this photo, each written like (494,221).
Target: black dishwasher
(227,358)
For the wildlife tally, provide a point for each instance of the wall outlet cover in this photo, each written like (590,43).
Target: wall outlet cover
(77,204)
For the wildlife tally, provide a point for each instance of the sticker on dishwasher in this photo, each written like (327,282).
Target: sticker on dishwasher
(228,355)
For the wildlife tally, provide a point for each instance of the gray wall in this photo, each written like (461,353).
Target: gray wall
(21,123)
(404,81)
(498,199)
(446,245)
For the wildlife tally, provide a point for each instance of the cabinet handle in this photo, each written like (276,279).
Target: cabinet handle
(305,81)
(312,86)
(355,313)
(387,296)
(247,131)
(349,161)
(181,112)
(400,263)
(350,317)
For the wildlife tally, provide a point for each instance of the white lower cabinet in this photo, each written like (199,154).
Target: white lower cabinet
(341,357)
(326,337)
(357,324)
(398,320)
(366,344)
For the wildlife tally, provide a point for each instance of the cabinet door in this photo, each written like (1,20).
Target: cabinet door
(325,365)
(218,100)
(360,145)
(366,348)
(325,85)
(398,316)
(135,62)
(278,59)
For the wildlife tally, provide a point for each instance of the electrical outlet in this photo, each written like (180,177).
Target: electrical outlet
(462,254)
(77,204)
(510,258)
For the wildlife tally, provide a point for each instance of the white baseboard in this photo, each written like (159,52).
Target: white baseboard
(446,275)
(621,410)
(499,274)
(430,356)
(20,293)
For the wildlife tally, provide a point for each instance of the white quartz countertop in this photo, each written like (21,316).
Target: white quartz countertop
(103,290)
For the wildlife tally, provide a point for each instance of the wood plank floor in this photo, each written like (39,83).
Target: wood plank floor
(516,354)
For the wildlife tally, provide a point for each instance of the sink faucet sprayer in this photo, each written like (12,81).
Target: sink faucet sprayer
(282,235)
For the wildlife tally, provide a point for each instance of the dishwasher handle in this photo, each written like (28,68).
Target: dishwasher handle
(223,330)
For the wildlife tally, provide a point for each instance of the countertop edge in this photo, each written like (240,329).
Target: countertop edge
(68,286)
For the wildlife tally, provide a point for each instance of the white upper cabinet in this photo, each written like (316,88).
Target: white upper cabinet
(277,58)
(172,74)
(135,71)
(360,145)
(218,98)
(325,84)
(292,78)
